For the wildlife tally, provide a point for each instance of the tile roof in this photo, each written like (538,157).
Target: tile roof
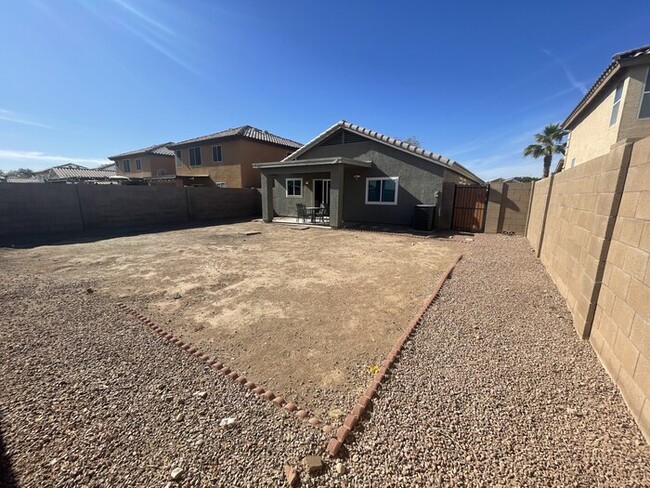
(391,141)
(66,173)
(618,60)
(245,131)
(156,149)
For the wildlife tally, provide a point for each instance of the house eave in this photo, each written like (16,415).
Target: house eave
(298,163)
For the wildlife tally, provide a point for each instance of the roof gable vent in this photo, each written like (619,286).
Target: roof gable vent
(351,137)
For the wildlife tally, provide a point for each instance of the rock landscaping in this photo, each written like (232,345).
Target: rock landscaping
(494,388)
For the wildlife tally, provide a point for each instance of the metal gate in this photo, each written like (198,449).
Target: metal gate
(469,208)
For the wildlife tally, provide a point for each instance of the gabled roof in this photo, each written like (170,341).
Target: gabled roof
(245,131)
(389,141)
(66,172)
(156,150)
(619,61)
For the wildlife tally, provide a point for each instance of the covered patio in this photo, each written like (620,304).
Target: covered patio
(306,182)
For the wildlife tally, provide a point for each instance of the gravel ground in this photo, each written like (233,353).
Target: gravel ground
(89,397)
(494,389)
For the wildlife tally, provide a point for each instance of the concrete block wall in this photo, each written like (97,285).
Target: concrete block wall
(507,208)
(27,209)
(591,228)
(620,333)
(47,210)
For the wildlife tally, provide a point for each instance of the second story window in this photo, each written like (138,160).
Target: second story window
(644,109)
(179,158)
(618,93)
(127,165)
(195,156)
(217,155)
(138,165)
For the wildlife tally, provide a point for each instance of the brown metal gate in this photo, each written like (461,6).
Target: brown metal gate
(469,208)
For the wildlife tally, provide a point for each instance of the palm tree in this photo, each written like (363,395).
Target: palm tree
(548,144)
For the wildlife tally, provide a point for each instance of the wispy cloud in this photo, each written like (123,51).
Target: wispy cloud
(9,116)
(11,159)
(575,83)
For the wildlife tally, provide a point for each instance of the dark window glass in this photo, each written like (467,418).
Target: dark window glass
(195,156)
(388,191)
(216,154)
(374,190)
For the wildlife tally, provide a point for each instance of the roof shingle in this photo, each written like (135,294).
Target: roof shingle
(156,149)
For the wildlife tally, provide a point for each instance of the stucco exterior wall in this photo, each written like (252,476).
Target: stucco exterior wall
(238,155)
(592,135)
(631,126)
(150,165)
(419,181)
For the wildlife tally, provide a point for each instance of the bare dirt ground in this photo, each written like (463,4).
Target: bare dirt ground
(304,313)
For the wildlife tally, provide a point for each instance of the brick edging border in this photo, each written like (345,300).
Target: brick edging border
(262,392)
(365,399)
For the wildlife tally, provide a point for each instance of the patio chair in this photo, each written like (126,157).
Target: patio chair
(323,212)
(301,212)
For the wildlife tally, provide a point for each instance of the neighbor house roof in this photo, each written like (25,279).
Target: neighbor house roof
(389,141)
(619,61)
(245,131)
(156,150)
(65,172)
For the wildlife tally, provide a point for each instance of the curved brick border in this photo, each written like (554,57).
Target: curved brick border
(365,399)
(263,393)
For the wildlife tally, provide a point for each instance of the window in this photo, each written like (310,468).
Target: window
(294,187)
(382,191)
(179,158)
(195,156)
(216,154)
(617,104)
(220,184)
(138,165)
(644,109)
(573,162)
(127,165)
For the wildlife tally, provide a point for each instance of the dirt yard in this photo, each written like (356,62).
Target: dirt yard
(302,312)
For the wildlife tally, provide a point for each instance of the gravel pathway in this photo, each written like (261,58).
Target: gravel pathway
(494,389)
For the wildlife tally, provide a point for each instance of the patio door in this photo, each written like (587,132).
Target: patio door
(321,193)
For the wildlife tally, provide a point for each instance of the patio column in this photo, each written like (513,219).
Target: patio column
(336,196)
(267,197)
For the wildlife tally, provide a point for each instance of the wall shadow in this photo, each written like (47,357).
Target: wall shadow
(7,476)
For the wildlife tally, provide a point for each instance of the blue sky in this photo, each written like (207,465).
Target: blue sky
(85,79)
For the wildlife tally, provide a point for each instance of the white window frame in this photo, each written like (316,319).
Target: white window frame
(220,184)
(381,178)
(220,154)
(286,189)
(616,106)
(138,164)
(200,158)
(644,93)
(127,165)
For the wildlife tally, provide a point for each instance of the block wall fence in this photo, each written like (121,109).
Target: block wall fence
(507,207)
(49,209)
(590,226)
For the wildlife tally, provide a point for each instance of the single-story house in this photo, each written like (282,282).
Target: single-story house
(359,175)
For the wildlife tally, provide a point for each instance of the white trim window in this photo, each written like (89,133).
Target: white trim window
(179,157)
(618,94)
(220,184)
(195,156)
(138,165)
(382,191)
(127,165)
(644,106)
(217,154)
(294,187)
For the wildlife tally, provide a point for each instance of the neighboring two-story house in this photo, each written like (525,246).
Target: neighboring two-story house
(149,162)
(616,107)
(227,157)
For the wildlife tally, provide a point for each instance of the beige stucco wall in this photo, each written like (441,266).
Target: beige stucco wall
(507,207)
(592,136)
(236,169)
(631,127)
(150,165)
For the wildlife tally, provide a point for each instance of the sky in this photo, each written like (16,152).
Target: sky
(471,80)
